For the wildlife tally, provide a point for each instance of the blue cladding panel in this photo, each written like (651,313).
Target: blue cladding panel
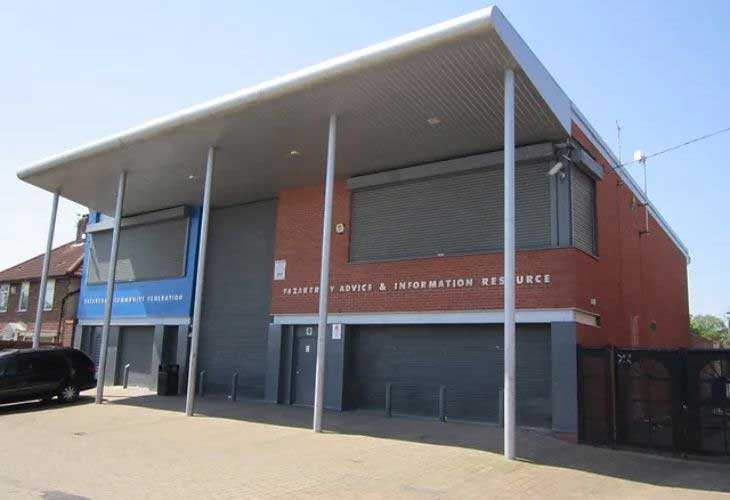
(145,299)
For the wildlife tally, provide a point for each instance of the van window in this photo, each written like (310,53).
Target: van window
(8,366)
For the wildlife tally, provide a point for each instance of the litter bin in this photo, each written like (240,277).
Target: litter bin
(167,380)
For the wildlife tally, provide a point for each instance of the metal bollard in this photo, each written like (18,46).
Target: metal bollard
(234,387)
(125,377)
(201,384)
(388,401)
(442,403)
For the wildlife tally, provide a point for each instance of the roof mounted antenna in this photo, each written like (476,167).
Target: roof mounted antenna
(618,139)
(640,157)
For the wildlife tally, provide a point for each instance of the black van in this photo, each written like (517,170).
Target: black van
(27,374)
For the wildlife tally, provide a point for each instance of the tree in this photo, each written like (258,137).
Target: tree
(710,327)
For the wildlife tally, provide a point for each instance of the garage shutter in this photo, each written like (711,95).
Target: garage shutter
(467,359)
(583,198)
(448,215)
(135,348)
(237,301)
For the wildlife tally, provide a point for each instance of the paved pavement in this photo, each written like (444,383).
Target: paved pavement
(144,447)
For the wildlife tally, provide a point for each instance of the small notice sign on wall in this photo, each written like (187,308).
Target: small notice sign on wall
(337,331)
(279,270)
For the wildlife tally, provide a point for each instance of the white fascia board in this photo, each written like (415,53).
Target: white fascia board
(556,99)
(298,80)
(443,317)
(580,120)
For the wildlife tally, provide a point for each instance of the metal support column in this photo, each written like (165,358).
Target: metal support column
(324,276)
(200,277)
(110,287)
(509,265)
(44,274)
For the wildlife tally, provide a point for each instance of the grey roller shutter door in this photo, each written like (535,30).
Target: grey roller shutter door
(237,296)
(467,359)
(91,344)
(135,349)
(583,199)
(448,215)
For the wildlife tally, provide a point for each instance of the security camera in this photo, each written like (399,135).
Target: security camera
(556,168)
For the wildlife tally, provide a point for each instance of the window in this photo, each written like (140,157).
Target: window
(146,252)
(4,297)
(50,291)
(449,215)
(24,293)
(583,200)
(8,366)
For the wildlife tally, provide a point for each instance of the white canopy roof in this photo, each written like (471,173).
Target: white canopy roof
(386,97)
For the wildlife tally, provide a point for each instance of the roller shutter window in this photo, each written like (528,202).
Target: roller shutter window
(583,200)
(449,215)
(146,252)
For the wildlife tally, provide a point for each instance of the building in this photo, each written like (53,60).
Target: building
(416,136)
(154,284)
(19,287)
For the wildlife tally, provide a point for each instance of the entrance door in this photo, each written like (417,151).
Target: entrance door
(135,348)
(305,362)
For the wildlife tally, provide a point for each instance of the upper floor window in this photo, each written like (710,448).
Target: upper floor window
(146,252)
(583,203)
(24,294)
(50,292)
(452,214)
(4,297)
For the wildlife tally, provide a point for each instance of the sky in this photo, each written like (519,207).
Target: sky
(73,72)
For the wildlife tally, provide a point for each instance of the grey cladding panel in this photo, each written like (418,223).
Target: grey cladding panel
(237,297)
(151,251)
(449,215)
(583,198)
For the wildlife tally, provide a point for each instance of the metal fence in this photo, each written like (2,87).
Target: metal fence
(667,399)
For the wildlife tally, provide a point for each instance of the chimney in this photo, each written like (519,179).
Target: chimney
(81,228)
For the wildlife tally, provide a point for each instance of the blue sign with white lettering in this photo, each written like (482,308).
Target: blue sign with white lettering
(156,298)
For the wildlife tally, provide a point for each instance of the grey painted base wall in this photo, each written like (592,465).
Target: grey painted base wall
(169,346)
(279,354)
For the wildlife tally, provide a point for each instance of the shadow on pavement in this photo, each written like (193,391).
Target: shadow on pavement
(38,405)
(538,447)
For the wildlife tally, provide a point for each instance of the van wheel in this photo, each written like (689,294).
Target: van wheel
(69,393)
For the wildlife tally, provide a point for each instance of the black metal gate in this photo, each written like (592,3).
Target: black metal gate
(595,395)
(649,389)
(668,399)
(708,401)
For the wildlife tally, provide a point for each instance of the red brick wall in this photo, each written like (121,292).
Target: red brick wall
(643,276)
(298,240)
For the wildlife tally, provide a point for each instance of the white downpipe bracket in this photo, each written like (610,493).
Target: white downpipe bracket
(199,279)
(324,276)
(44,274)
(509,265)
(110,287)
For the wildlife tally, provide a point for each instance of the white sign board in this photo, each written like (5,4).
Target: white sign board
(279,270)
(337,331)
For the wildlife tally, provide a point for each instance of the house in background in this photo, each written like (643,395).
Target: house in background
(19,292)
